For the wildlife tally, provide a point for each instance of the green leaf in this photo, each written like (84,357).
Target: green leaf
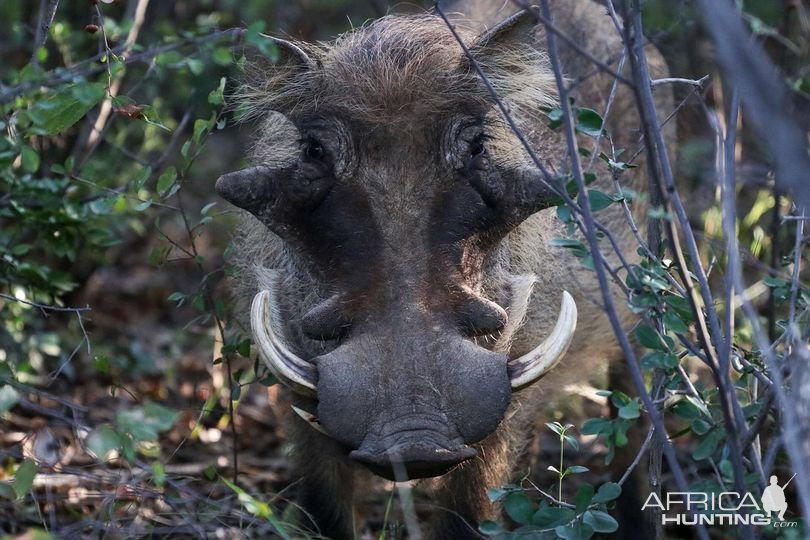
(102,441)
(576,469)
(496,494)
(167,180)
(201,128)
(210,472)
(680,305)
(217,96)
(564,214)
(588,122)
(574,531)
(556,427)
(103,206)
(141,206)
(490,528)
(195,66)
(7,491)
(30,159)
(650,338)
(270,380)
(576,247)
(519,507)
(572,442)
(101,363)
(139,181)
(600,522)
(673,323)
(144,423)
(583,497)
(244,348)
(659,360)
(9,397)
(60,111)
(631,411)
(222,56)
(599,200)
(548,517)
(708,445)
(554,118)
(607,492)
(689,408)
(700,426)
(774,282)
(659,212)
(596,426)
(158,474)
(24,477)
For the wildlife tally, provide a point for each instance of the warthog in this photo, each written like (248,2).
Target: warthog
(396,249)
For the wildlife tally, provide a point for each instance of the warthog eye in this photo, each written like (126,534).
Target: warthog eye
(313,150)
(479,159)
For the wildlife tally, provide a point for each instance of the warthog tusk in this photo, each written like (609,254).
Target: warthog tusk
(309,418)
(533,365)
(291,370)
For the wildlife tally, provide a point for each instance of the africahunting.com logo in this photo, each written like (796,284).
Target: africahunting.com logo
(725,508)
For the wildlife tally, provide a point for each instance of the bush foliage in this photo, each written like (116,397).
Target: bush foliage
(115,122)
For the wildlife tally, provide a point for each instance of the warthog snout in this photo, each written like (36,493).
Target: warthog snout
(414,418)
(407,393)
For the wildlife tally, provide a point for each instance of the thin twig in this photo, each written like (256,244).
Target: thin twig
(637,460)
(44,307)
(43,28)
(697,83)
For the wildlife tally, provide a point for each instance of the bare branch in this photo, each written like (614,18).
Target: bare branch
(46,16)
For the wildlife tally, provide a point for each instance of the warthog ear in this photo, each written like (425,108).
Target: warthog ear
(509,55)
(514,31)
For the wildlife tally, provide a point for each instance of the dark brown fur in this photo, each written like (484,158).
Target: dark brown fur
(393,80)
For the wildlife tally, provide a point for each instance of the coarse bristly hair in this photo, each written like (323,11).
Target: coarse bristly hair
(397,67)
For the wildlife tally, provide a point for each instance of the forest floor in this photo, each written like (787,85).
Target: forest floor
(181,486)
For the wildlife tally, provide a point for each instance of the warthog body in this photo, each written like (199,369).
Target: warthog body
(401,238)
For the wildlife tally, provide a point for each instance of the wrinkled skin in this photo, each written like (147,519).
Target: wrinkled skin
(398,219)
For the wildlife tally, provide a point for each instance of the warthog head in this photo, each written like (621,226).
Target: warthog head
(385,172)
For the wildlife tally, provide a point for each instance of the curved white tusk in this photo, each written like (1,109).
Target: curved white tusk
(309,418)
(291,370)
(533,365)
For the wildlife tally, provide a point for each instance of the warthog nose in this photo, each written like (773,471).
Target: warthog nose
(414,460)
